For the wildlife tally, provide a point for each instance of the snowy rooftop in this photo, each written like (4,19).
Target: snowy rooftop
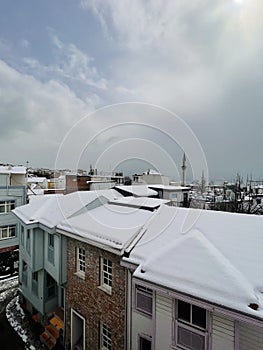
(36,179)
(138,202)
(111,225)
(8,169)
(49,210)
(169,187)
(137,190)
(214,256)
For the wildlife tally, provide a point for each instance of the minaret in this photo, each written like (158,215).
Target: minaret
(184,169)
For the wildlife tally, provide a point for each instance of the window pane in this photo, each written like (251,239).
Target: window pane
(184,311)
(199,316)
(2,207)
(144,300)
(145,344)
(190,340)
(4,233)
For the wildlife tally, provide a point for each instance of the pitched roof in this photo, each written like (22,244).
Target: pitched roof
(215,256)
(137,190)
(49,210)
(111,225)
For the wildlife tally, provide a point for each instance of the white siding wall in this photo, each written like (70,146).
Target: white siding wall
(164,309)
(250,337)
(140,325)
(223,333)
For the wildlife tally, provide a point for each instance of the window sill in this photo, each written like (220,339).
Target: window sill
(105,289)
(80,275)
(143,313)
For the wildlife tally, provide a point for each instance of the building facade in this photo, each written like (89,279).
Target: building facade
(12,195)
(96,304)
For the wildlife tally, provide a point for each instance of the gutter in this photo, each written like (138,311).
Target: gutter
(89,241)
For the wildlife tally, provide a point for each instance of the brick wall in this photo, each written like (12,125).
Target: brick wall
(77,183)
(94,304)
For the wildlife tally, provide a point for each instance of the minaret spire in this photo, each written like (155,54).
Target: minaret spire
(183,170)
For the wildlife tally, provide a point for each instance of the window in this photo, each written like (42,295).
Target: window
(51,248)
(106,274)
(105,337)
(22,235)
(7,232)
(24,273)
(51,286)
(6,206)
(191,327)
(28,241)
(144,300)
(35,283)
(81,261)
(145,343)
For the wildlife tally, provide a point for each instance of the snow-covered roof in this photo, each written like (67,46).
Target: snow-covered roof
(35,192)
(50,210)
(137,190)
(111,225)
(169,187)
(214,256)
(9,169)
(138,202)
(36,179)
(151,172)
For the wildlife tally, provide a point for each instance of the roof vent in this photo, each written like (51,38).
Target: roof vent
(253,306)
(142,271)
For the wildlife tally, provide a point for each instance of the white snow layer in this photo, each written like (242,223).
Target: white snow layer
(218,258)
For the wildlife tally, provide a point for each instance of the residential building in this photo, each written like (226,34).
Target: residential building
(43,253)
(179,195)
(12,195)
(195,282)
(96,282)
(151,177)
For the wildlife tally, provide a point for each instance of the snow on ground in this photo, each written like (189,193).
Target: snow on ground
(18,320)
(15,314)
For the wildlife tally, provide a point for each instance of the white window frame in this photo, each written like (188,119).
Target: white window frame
(7,232)
(191,327)
(146,337)
(74,312)
(104,337)
(106,276)
(81,261)
(8,206)
(144,292)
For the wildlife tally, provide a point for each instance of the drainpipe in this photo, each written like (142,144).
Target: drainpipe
(129,304)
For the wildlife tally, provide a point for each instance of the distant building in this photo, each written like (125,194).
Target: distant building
(150,177)
(179,195)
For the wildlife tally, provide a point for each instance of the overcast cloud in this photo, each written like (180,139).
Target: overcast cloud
(202,60)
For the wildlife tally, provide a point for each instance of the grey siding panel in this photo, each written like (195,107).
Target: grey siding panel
(250,337)
(223,333)
(164,310)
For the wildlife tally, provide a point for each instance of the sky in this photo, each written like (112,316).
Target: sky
(133,83)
